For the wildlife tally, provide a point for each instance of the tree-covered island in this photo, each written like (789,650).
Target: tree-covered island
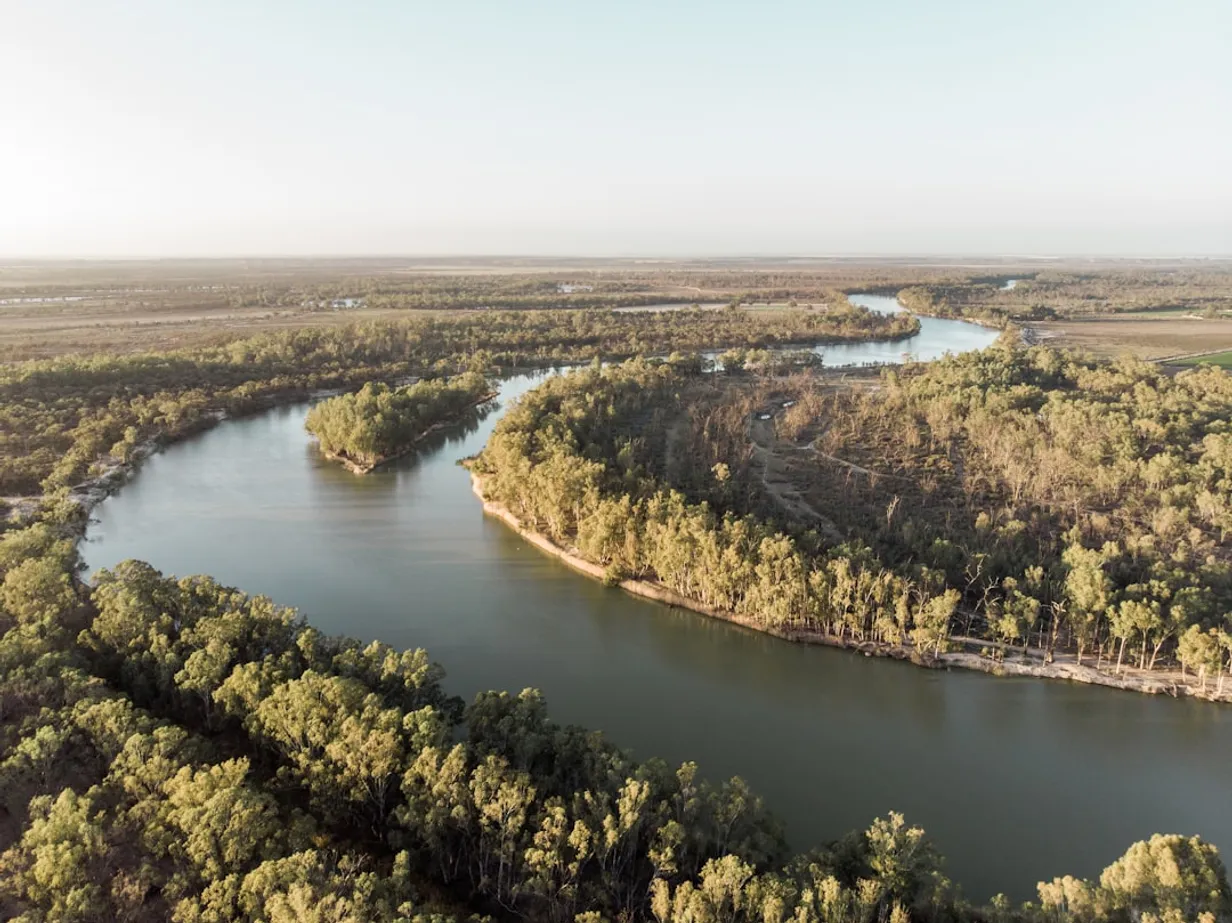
(378,423)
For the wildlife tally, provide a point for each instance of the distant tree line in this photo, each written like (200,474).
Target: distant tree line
(1044,295)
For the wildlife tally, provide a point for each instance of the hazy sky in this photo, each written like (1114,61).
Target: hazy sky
(618,127)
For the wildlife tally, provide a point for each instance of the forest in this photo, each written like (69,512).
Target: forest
(72,417)
(174,749)
(1030,504)
(1055,293)
(377,423)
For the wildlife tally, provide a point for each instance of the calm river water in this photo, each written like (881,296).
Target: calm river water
(1016,780)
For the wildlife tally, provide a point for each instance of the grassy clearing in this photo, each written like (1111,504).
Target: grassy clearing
(1223,360)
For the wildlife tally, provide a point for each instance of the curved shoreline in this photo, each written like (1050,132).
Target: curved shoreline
(987,323)
(1060,669)
(114,473)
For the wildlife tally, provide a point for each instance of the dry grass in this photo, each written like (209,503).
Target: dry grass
(93,332)
(1149,337)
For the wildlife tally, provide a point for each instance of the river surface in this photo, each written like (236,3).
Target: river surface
(1017,780)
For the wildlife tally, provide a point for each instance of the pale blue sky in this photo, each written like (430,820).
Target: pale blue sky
(620,128)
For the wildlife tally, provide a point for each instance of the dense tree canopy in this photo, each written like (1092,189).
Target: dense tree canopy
(378,422)
(1057,293)
(1026,497)
(177,749)
(64,419)
(1063,496)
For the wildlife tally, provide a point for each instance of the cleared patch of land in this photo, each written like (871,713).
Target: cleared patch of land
(1155,337)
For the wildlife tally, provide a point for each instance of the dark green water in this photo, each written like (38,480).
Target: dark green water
(1016,780)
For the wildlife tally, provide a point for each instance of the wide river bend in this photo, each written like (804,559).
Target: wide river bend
(1017,780)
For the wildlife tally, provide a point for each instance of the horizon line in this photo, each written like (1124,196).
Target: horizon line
(659,258)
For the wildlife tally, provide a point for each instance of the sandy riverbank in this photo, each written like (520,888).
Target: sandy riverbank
(1063,667)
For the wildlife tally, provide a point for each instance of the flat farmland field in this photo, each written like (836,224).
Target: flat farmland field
(87,328)
(1157,337)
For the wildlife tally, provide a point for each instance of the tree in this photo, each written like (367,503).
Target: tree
(1201,652)
(904,861)
(38,591)
(346,748)
(59,865)
(1169,874)
(1088,591)
(554,862)
(502,798)
(932,621)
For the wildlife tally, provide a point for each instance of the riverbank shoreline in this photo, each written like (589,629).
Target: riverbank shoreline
(114,473)
(1064,667)
(985,322)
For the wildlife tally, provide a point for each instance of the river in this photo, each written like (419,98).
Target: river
(1016,780)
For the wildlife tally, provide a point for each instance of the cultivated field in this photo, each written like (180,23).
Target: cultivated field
(1152,337)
